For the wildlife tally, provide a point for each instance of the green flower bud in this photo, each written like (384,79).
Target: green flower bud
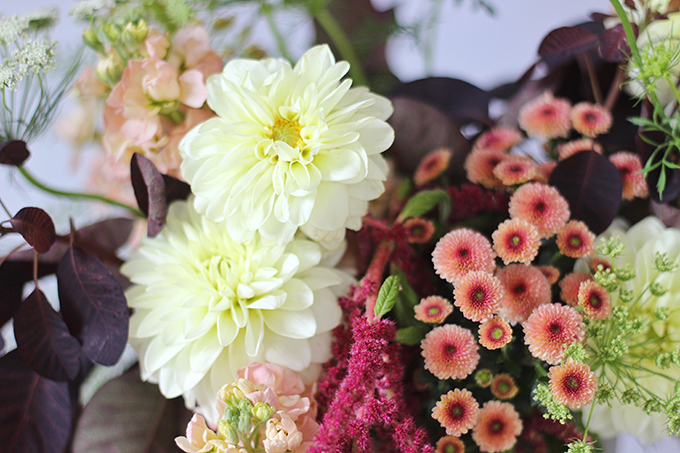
(626,273)
(663,263)
(651,405)
(245,422)
(110,69)
(657,290)
(90,39)
(630,396)
(483,377)
(262,412)
(626,295)
(604,394)
(112,31)
(664,361)
(229,431)
(579,446)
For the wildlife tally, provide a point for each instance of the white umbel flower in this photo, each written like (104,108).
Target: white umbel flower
(206,306)
(291,148)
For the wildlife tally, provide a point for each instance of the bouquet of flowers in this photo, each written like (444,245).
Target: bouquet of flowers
(311,256)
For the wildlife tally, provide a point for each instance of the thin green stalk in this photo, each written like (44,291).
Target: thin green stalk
(88,196)
(339,38)
(627,27)
(280,41)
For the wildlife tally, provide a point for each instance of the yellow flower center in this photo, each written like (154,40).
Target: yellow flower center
(288,132)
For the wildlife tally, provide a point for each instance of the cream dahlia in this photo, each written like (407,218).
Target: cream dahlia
(291,148)
(206,306)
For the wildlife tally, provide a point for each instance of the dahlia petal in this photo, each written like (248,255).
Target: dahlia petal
(292,353)
(254,332)
(226,330)
(376,137)
(326,310)
(156,354)
(291,324)
(328,215)
(298,295)
(338,164)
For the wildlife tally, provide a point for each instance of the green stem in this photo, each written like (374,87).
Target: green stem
(339,38)
(585,434)
(88,196)
(627,27)
(266,10)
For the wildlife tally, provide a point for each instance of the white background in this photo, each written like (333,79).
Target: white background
(469,44)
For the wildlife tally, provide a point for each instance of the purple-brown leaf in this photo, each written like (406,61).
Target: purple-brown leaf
(36,411)
(592,186)
(37,228)
(93,305)
(175,189)
(561,44)
(149,189)
(614,46)
(13,153)
(43,340)
(13,275)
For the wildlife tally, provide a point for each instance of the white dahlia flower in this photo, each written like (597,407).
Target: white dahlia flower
(206,306)
(291,148)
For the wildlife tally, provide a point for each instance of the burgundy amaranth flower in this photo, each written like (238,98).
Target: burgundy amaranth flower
(634,184)
(462,251)
(546,117)
(494,333)
(497,428)
(450,444)
(576,240)
(433,309)
(483,377)
(550,328)
(503,387)
(568,149)
(433,164)
(594,300)
(570,285)
(572,383)
(515,170)
(472,199)
(479,166)
(540,205)
(551,273)
(591,120)
(450,352)
(456,412)
(418,230)
(516,240)
(525,289)
(500,138)
(477,295)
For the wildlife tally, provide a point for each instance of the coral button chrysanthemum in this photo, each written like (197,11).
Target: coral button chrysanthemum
(432,165)
(479,166)
(503,386)
(433,309)
(516,241)
(497,428)
(456,412)
(550,328)
(542,206)
(494,333)
(525,289)
(546,117)
(450,444)
(575,240)
(499,139)
(634,184)
(573,384)
(594,299)
(515,170)
(589,119)
(568,149)
(462,251)
(450,352)
(206,306)
(477,294)
(570,285)
(291,148)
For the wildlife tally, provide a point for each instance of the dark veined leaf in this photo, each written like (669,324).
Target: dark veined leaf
(175,189)
(411,335)
(36,411)
(562,44)
(37,228)
(387,296)
(423,202)
(128,415)
(13,276)
(614,46)
(105,236)
(13,153)
(93,305)
(43,340)
(149,189)
(592,186)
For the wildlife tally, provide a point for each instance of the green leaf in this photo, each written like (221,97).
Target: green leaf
(411,335)
(405,301)
(387,296)
(423,202)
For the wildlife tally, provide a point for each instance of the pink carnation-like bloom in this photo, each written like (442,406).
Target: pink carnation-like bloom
(456,412)
(573,384)
(515,170)
(503,386)
(433,309)
(594,299)
(450,352)
(500,138)
(494,333)
(550,328)
(497,428)
(516,240)
(433,164)
(479,166)
(477,294)
(570,285)
(550,272)
(525,289)
(462,251)
(634,184)
(450,444)
(546,117)
(568,149)
(540,205)
(575,240)
(591,120)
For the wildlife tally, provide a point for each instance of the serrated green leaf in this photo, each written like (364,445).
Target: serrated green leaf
(387,296)
(404,189)
(423,202)
(405,301)
(411,335)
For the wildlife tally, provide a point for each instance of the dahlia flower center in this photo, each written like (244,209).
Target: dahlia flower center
(450,349)
(515,240)
(289,132)
(555,329)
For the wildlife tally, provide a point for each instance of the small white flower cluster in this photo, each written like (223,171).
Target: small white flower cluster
(34,55)
(243,271)
(85,9)
(12,28)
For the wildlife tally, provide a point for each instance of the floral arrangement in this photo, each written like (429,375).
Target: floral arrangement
(311,256)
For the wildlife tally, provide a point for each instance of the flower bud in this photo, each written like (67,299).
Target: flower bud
(229,431)
(112,31)
(90,39)
(262,412)
(245,422)
(134,35)
(110,69)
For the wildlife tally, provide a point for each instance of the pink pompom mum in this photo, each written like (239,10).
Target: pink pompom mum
(594,299)
(525,289)
(418,230)
(477,294)
(499,139)
(516,240)
(494,333)
(575,240)
(456,411)
(550,272)
(515,170)
(568,149)
(432,166)
(503,387)
(462,251)
(433,309)
(569,286)
(450,444)
(497,428)
(550,328)
(573,384)
(540,205)
(634,184)
(591,120)
(479,166)
(546,117)
(450,352)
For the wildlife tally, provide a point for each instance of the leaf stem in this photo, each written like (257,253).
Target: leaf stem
(374,275)
(339,38)
(266,10)
(594,83)
(88,196)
